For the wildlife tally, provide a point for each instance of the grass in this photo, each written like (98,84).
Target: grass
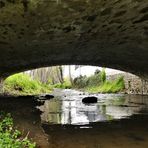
(11,137)
(65,85)
(97,83)
(23,84)
(108,86)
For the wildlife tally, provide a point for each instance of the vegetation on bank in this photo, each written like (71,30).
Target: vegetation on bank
(65,85)
(108,86)
(98,83)
(23,84)
(11,137)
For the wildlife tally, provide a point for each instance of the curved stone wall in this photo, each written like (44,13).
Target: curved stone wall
(38,33)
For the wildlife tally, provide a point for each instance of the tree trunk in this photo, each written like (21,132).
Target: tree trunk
(70,77)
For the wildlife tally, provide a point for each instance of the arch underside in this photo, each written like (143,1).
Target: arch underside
(111,33)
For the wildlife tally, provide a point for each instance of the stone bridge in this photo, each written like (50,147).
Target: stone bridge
(39,33)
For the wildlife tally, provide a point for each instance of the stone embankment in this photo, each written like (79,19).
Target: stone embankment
(133,83)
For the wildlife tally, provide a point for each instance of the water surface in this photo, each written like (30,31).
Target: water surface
(67,108)
(116,120)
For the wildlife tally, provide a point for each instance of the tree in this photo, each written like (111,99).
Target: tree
(70,77)
(103,75)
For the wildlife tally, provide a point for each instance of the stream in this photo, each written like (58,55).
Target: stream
(116,120)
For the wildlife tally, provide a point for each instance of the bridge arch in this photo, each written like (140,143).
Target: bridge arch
(110,33)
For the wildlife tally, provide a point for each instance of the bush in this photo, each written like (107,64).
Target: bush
(98,83)
(9,136)
(80,82)
(24,84)
(83,81)
(65,85)
(94,80)
(103,75)
(109,86)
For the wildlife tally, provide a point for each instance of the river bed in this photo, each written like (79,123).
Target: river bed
(116,120)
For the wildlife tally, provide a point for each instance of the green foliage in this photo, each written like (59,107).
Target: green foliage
(80,82)
(109,86)
(9,136)
(94,80)
(24,84)
(98,83)
(65,85)
(103,75)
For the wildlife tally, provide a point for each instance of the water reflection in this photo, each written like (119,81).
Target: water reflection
(67,108)
(116,121)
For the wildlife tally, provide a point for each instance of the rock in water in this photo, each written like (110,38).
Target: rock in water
(90,99)
(46,97)
(49,96)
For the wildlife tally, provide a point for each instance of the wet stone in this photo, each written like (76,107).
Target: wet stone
(46,97)
(90,99)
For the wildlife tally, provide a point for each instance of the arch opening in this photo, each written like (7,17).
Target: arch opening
(75,76)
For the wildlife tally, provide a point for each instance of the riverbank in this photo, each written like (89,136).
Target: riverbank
(23,84)
(10,136)
(26,118)
(98,83)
